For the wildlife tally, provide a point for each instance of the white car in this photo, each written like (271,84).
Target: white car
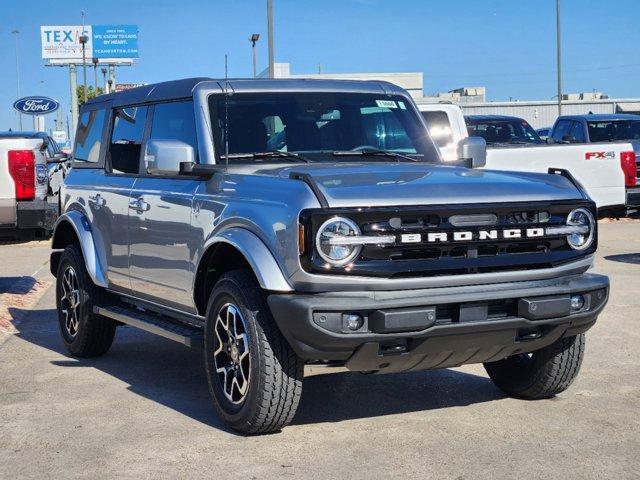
(599,167)
(24,184)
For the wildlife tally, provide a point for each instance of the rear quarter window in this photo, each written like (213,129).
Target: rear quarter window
(439,127)
(88,142)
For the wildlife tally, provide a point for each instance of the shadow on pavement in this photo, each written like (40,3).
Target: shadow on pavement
(16,285)
(633,258)
(173,375)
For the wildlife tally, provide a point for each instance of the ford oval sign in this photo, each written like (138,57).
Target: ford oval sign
(36,105)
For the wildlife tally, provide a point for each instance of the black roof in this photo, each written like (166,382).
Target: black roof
(492,118)
(601,117)
(184,88)
(18,134)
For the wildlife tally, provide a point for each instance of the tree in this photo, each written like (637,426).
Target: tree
(91,93)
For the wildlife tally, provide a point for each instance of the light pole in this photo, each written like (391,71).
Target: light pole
(270,37)
(95,74)
(16,32)
(104,79)
(559,57)
(254,39)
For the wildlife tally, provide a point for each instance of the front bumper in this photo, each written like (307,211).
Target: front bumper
(440,327)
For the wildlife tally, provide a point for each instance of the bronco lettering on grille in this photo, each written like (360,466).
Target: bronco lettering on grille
(479,235)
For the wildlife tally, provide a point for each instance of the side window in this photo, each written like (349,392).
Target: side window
(174,121)
(577,133)
(126,139)
(439,127)
(563,129)
(89,136)
(51,147)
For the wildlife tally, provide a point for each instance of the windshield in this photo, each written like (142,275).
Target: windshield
(314,126)
(503,131)
(614,130)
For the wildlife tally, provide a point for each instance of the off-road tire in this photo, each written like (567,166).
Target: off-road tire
(541,374)
(276,372)
(95,333)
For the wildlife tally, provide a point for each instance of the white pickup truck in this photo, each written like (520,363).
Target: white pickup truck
(24,210)
(599,167)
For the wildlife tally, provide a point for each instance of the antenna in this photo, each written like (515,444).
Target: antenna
(226,112)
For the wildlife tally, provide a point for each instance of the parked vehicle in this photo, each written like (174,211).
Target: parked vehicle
(543,133)
(502,130)
(603,169)
(606,128)
(351,245)
(24,210)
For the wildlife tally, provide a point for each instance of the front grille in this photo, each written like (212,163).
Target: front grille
(449,257)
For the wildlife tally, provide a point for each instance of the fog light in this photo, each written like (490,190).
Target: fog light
(577,302)
(353,321)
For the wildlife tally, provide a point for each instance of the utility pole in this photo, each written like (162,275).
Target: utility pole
(559,57)
(270,37)
(16,32)
(254,39)
(83,41)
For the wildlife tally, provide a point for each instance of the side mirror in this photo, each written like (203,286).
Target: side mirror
(60,157)
(473,151)
(163,157)
(550,140)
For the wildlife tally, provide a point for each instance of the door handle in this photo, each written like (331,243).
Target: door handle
(139,205)
(97,200)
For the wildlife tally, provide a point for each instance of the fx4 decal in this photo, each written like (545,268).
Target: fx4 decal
(599,155)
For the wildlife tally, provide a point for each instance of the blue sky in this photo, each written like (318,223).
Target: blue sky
(506,45)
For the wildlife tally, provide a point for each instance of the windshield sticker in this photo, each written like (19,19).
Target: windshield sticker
(386,104)
(402,106)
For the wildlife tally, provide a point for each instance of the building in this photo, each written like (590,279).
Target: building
(410,81)
(544,113)
(473,100)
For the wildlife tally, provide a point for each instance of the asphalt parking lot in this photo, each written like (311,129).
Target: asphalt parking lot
(143,410)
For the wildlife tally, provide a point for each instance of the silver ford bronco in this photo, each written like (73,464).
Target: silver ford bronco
(284,223)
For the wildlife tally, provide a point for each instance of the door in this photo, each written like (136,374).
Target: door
(111,203)
(160,264)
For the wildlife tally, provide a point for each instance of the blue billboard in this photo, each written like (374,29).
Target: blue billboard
(115,41)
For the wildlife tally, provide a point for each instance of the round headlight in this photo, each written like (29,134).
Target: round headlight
(582,238)
(335,254)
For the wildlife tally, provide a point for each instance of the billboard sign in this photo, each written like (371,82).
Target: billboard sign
(115,41)
(63,41)
(36,105)
(104,41)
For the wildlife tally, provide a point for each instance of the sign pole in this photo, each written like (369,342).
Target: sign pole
(15,31)
(73,84)
(112,78)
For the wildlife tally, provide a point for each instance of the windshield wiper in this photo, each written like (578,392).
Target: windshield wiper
(291,156)
(374,151)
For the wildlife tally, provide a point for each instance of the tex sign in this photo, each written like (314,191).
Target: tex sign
(63,41)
